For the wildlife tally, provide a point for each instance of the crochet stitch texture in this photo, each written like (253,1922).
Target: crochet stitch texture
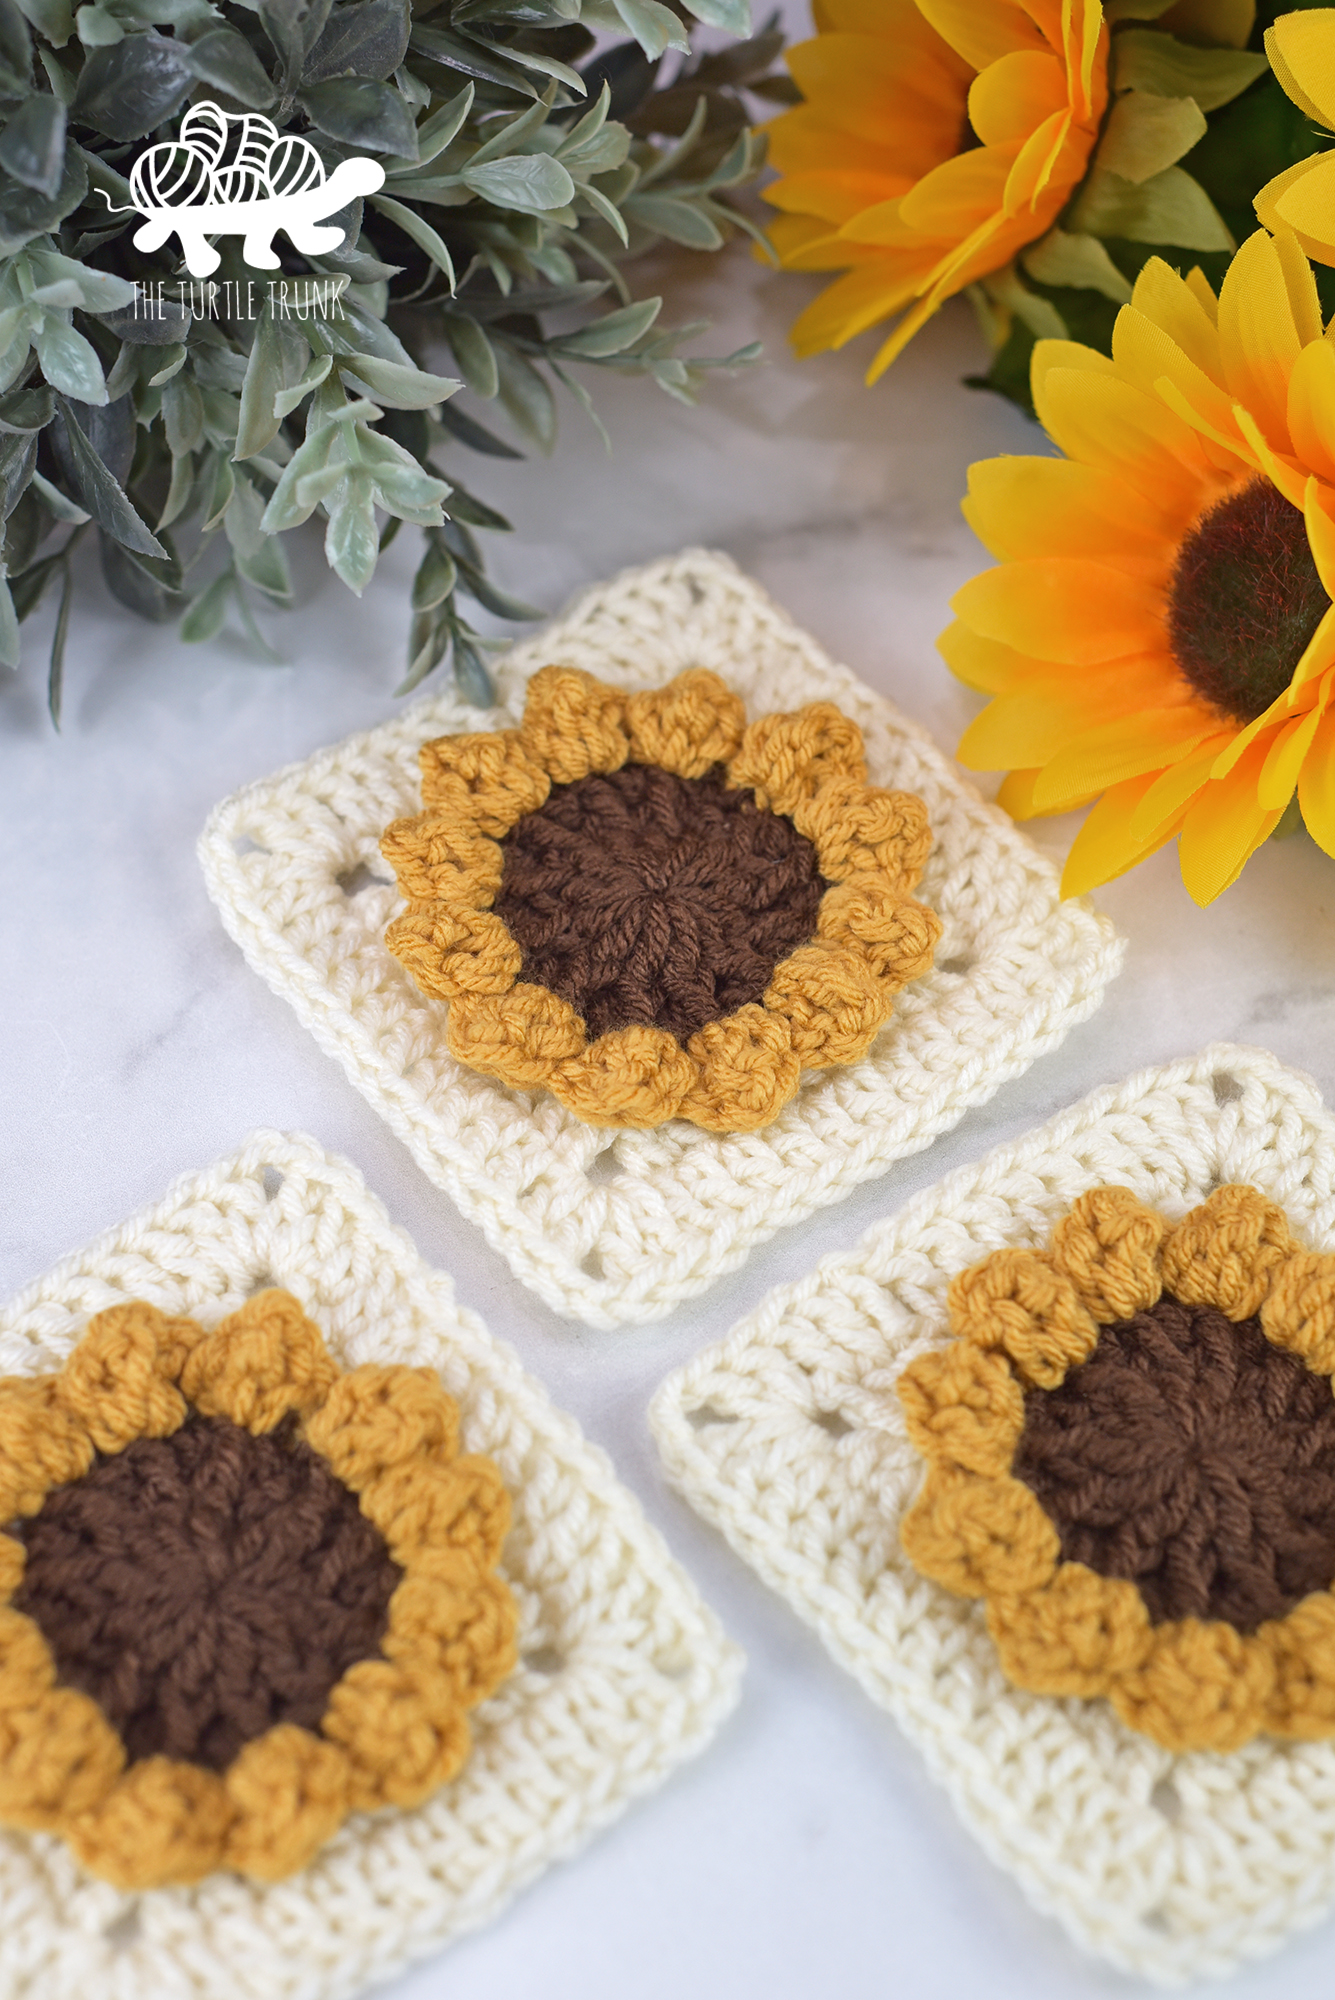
(622,1673)
(620,1227)
(214,1729)
(791,1438)
(1131,1459)
(721,962)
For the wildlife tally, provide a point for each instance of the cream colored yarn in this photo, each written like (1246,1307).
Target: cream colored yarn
(615,1227)
(623,1671)
(790,1437)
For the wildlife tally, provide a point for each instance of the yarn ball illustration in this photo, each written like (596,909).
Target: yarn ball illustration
(224,158)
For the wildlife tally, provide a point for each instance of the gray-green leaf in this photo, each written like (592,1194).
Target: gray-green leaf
(227,61)
(32,147)
(104,498)
(362,112)
(532,182)
(367,39)
(127,90)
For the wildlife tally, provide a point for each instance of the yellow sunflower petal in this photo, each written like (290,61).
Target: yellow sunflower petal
(1126,748)
(1112,424)
(1062,609)
(982,35)
(1147,356)
(1288,752)
(1312,408)
(1279,201)
(1258,338)
(1037,722)
(1174,305)
(1321,531)
(1052,506)
(1301,48)
(1105,846)
(1224,827)
(1173,790)
(1316,784)
(1015,94)
(1016,795)
(853,303)
(985,663)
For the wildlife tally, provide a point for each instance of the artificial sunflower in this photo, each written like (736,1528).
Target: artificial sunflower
(653,910)
(1130,1449)
(1301,48)
(1160,629)
(937,139)
(242,1593)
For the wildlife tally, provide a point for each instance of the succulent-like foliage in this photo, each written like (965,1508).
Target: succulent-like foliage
(525,157)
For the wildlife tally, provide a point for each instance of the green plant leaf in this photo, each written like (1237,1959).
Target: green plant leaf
(96,291)
(678,220)
(655,28)
(69,362)
(24,213)
(26,411)
(421,232)
(369,38)
(1145,59)
(103,496)
(436,576)
(278,355)
(126,90)
(1170,207)
(151,588)
(614,333)
(56,504)
(532,182)
(473,352)
(226,60)
(526,398)
(352,542)
(475,435)
(32,146)
(51,18)
(204,619)
(470,58)
(1078,261)
(359,111)
(397,387)
(1145,133)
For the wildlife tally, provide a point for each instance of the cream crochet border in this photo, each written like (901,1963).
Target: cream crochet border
(624,1672)
(788,1436)
(620,1227)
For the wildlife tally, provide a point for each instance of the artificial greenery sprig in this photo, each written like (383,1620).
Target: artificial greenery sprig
(523,165)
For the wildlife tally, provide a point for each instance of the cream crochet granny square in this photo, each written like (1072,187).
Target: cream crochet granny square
(789,1437)
(616,1227)
(623,1671)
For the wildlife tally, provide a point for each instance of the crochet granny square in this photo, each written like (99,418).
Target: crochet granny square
(622,1672)
(619,1226)
(791,1437)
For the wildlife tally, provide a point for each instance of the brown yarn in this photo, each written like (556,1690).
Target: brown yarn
(642,898)
(205,1586)
(1193,1458)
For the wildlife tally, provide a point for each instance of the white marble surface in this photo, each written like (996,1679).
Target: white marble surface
(807,1853)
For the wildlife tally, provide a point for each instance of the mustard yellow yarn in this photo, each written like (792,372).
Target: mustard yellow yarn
(826,1001)
(395,1727)
(1021,1319)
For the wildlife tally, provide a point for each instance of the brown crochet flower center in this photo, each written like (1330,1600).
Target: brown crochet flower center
(1193,1458)
(205,1586)
(644,898)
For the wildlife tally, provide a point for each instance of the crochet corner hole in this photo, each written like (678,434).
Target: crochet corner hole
(591,1263)
(957,966)
(1226,1088)
(1158,1921)
(353,880)
(544,1660)
(831,1422)
(271,1180)
(125,1929)
(1167,1801)
(706,1415)
(260,1281)
(244,845)
(605,1164)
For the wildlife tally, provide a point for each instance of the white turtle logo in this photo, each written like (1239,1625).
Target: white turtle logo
(200,185)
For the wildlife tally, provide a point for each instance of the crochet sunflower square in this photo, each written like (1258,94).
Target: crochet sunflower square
(802,1437)
(618,1226)
(621,1671)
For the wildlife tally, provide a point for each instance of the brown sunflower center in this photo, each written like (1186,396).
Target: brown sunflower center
(644,898)
(1193,1458)
(1245,600)
(206,1586)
